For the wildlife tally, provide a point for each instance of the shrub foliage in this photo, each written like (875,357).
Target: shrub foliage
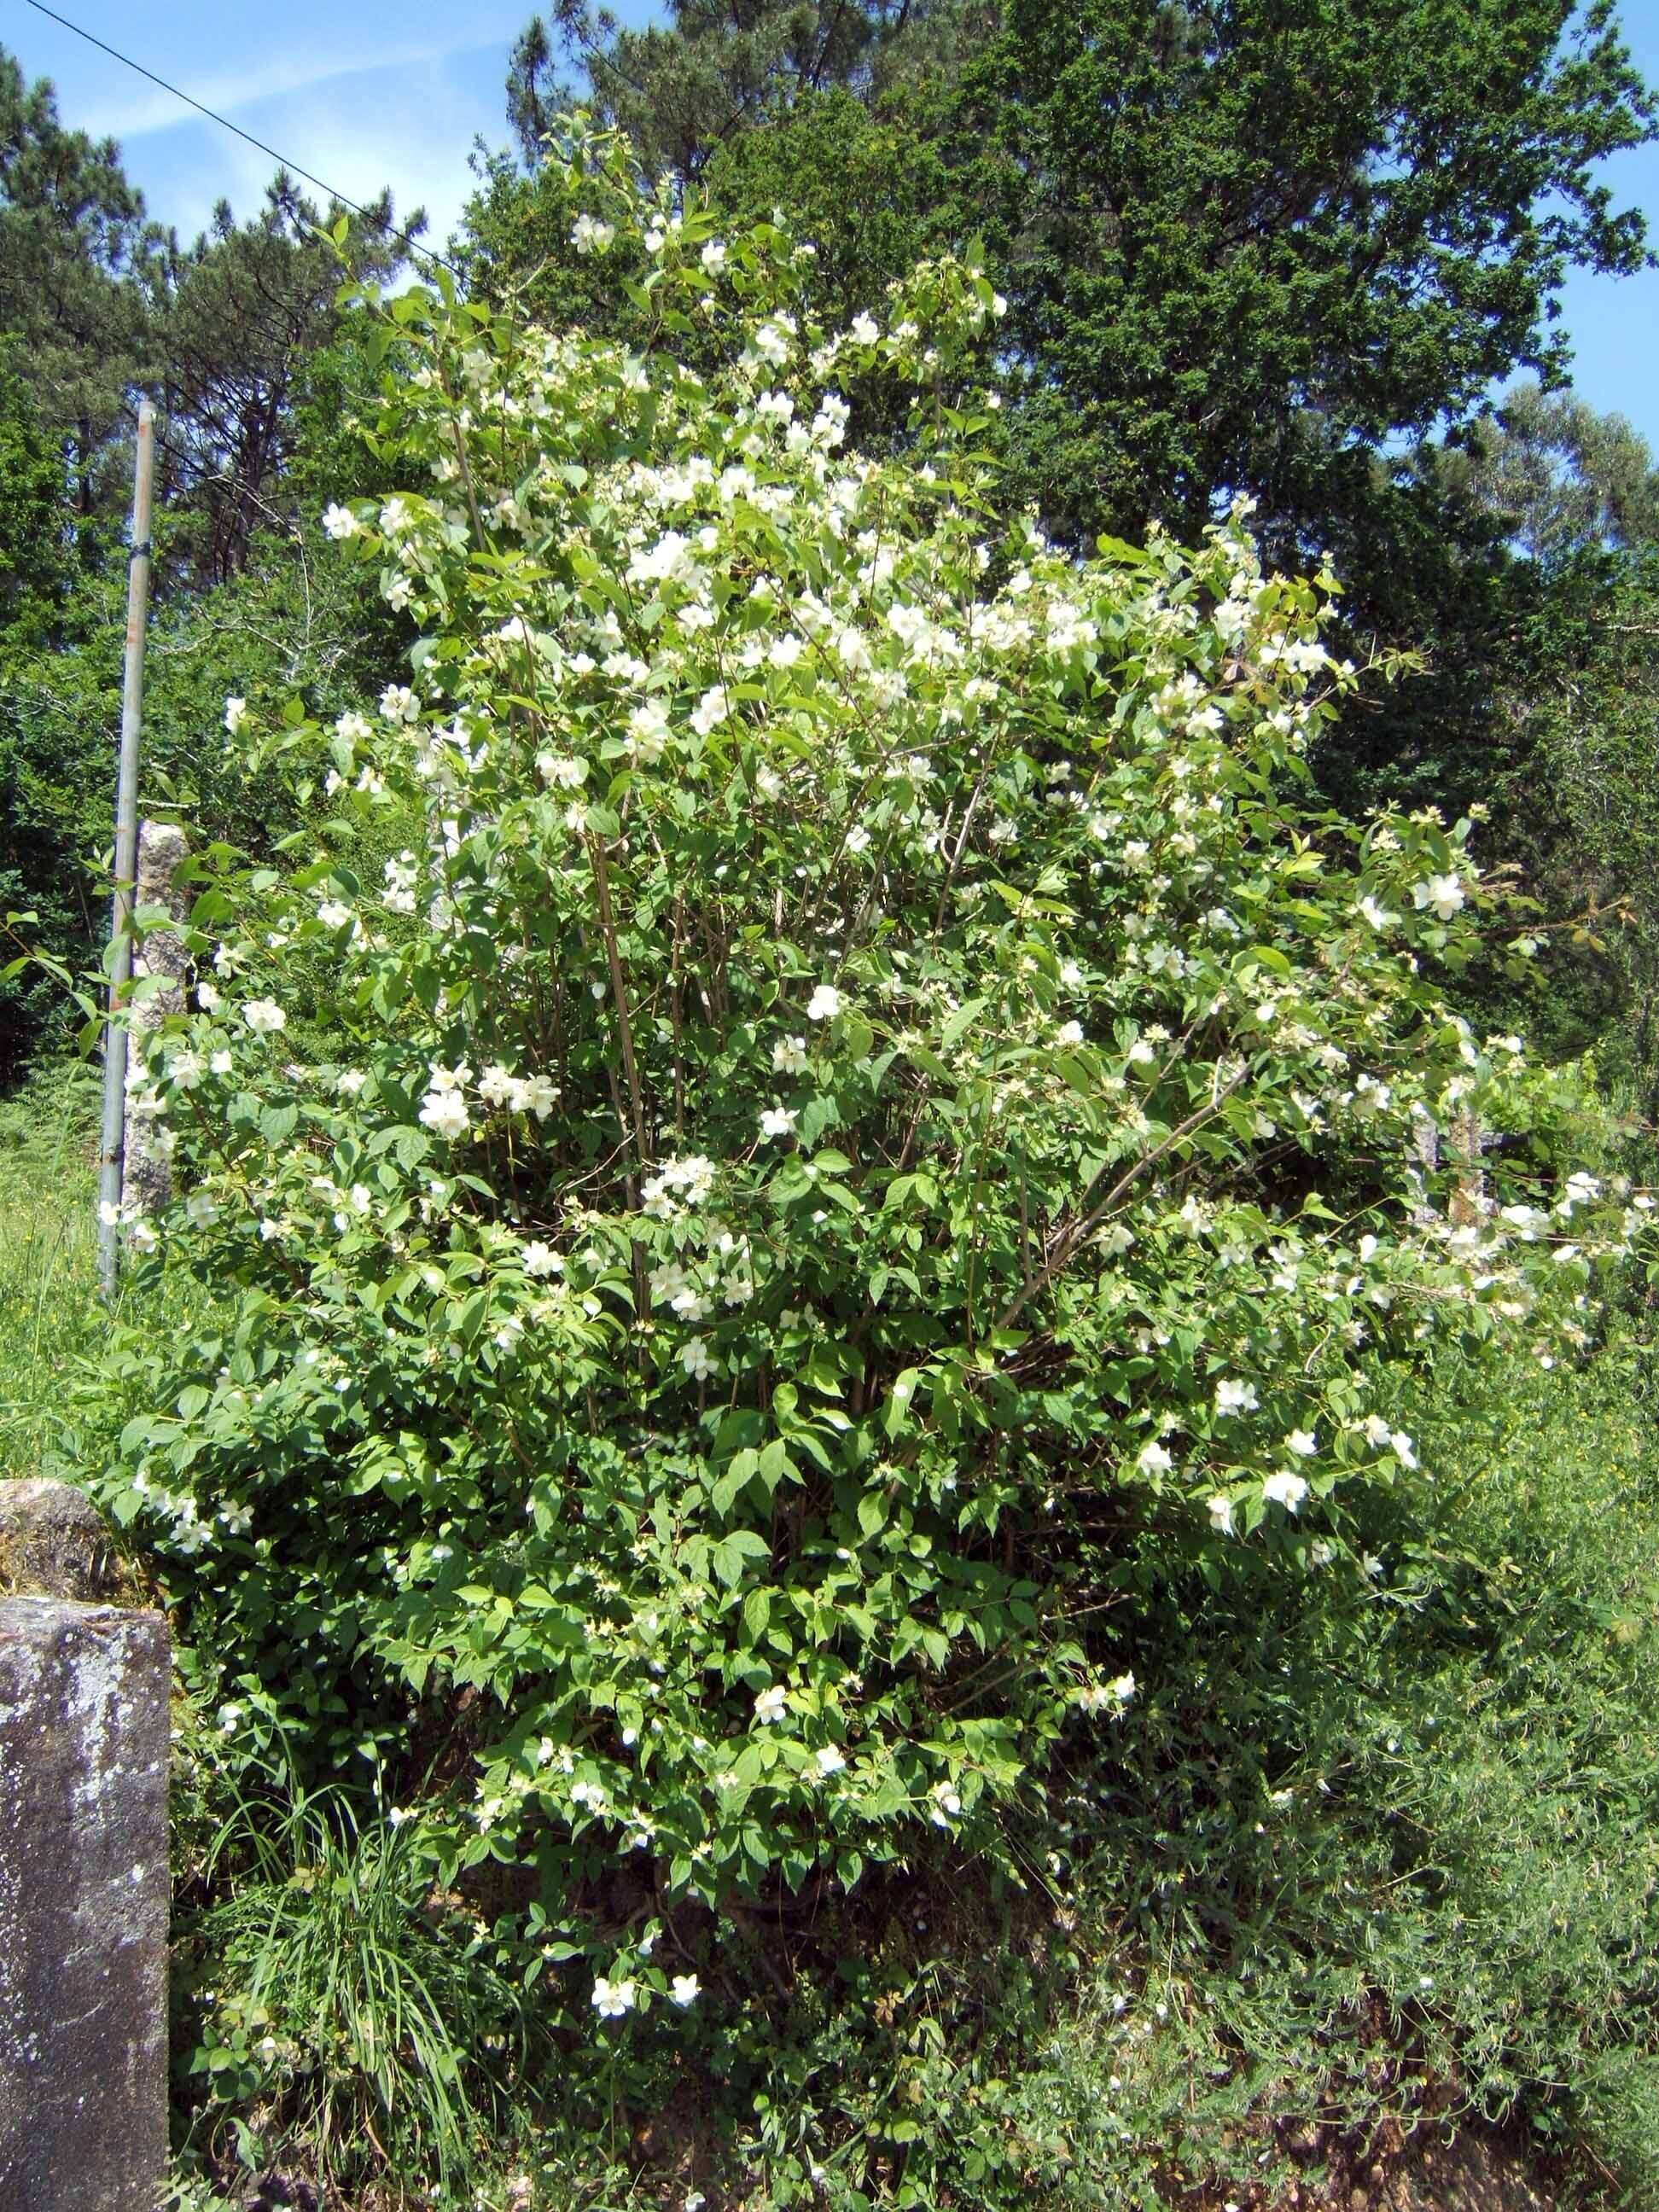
(870,1120)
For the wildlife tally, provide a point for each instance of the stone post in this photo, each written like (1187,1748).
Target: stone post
(146,1175)
(84,1693)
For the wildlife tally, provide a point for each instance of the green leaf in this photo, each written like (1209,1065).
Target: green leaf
(278,1123)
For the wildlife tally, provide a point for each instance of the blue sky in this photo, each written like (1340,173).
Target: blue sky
(371,95)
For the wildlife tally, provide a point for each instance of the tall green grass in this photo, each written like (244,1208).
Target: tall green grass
(323,1984)
(50,1316)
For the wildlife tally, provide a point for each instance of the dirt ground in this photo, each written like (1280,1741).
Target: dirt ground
(1476,2174)
(1477,2171)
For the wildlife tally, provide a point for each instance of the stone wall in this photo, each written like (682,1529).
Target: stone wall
(84,1736)
(146,1172)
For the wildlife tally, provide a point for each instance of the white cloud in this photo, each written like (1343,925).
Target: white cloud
(146,107)
(403,125)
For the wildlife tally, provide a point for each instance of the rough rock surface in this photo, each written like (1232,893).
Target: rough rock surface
(146,1172)
(84,1906)
(54,1543)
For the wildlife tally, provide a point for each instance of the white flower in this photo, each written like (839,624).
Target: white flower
(773,345)
(864,329)
(789,1055)
(589,235)
(561,769)
(1404,1449)
(237,717)
(399,704)
(712,256)
(339,521)
(1377,915)
(1444,894)
(1221,1514)
(612,1999)
(670,557)
(829,1759)
(1069,1033)
(777,1121)
(1123,1687)
(769,1705)
(1236,1397)
(677,1182)
(220,1063)
(1154,1459)
(946,1805)
(1302,1442)
(202,1209)
(541,1259)
(824,1004)
(264,1017)
(1284,1489)
(685,1990)
(444,1112)
(695,1357)
(710,711)
(647,732)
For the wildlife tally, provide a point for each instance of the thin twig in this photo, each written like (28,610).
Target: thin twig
(1068,1240)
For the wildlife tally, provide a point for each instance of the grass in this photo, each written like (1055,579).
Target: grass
(318,1978)
(50,1316)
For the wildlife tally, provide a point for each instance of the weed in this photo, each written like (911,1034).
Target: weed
(337,2013)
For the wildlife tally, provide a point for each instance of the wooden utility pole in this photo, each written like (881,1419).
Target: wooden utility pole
(127,859)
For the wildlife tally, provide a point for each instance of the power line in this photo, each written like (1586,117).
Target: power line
(225,124)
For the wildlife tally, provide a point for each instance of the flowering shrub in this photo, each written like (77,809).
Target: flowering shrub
(865,1098)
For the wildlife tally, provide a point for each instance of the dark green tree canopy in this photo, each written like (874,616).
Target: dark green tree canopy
(71,230)
(36,549)
(1248,242)
(1563,477)
(1250,245)
(719,68)
(238,316)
